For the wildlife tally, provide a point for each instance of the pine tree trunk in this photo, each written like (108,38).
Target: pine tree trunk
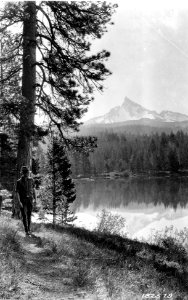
(54,201)
(26,132)
(53,184)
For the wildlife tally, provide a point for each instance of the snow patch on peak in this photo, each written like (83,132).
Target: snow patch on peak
(130,111)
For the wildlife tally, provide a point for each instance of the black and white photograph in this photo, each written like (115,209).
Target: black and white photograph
(94,150)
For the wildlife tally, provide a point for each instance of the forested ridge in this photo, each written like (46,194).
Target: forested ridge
(134,153)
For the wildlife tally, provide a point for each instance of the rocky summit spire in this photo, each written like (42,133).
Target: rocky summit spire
(128,101)
(130,111)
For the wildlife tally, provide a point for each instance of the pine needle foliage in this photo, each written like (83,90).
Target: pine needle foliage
(66,71)
(61,185)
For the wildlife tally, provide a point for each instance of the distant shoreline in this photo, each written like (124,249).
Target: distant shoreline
(126,174)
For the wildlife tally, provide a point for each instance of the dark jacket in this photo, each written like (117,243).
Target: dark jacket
(25,189)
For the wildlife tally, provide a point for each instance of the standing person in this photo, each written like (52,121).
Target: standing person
(26,193)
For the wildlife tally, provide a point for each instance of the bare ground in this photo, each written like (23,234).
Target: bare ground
(44,277)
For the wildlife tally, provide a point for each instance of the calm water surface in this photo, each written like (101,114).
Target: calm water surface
(146,203)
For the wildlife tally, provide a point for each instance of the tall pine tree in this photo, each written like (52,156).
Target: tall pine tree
(61,185)
(53,65)
(62,77)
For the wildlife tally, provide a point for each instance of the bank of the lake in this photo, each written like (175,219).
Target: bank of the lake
(74,263)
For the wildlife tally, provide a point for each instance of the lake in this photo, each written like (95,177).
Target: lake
(146,203)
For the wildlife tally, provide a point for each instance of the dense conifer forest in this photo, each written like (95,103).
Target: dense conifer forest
(133,153)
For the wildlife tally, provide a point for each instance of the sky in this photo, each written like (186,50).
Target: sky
(149,57)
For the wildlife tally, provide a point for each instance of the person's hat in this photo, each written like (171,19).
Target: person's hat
(25,169)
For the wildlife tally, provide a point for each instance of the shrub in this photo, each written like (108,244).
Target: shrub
(111,223)
(173,240)
(170,233)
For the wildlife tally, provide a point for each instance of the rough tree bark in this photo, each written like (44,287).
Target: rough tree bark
(28,90)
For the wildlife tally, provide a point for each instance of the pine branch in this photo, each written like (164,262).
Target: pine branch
(49,21)
(13,72)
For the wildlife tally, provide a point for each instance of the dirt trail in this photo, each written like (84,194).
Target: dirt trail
(45,277)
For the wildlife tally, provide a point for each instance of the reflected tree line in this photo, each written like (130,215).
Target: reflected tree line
(134,153)
(115,193)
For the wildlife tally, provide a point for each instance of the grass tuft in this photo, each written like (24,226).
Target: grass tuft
(11,256)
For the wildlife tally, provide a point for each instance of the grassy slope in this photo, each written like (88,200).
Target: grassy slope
(73,263)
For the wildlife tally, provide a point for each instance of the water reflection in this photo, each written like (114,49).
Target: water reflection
(170,192)
(146,203)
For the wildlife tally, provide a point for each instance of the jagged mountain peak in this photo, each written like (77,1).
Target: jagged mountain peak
(128,101)
(130,110)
